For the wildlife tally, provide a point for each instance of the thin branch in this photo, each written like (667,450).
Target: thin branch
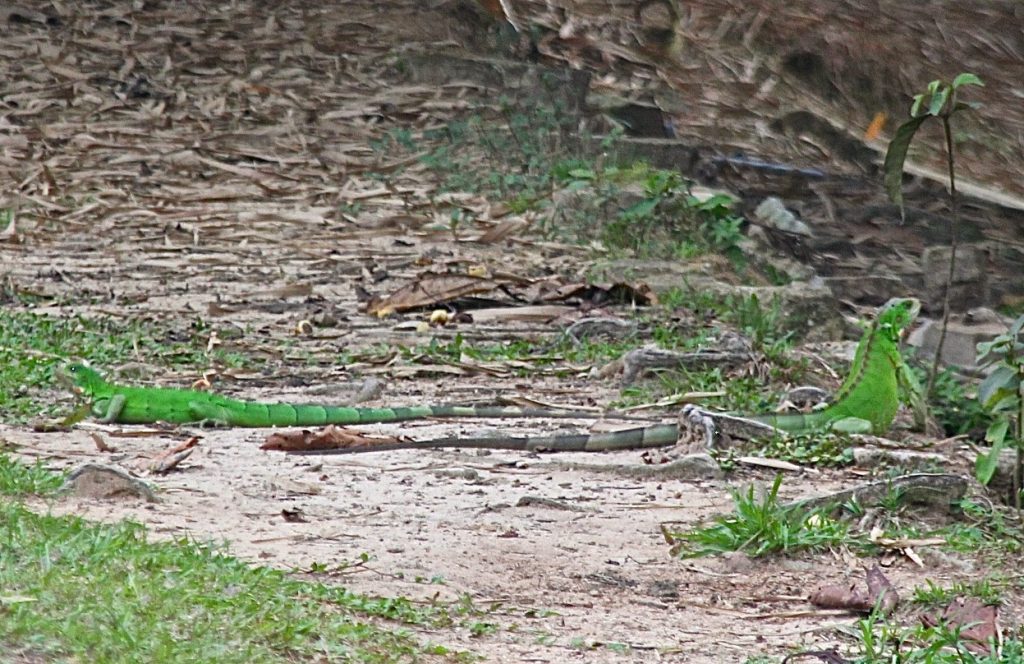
(954,225)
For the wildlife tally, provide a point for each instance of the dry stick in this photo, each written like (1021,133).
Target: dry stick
(954,224)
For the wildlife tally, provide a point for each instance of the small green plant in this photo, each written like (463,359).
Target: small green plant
(883,642)
(940,101)
(763,527)
(983,528)
(815,449)
(1002,395)
(955,410)
(19,479)
(988,590)
(721,227)
(509,154)
(762,323)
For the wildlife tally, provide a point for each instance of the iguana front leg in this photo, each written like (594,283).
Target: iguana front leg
(111,410)
(913,395)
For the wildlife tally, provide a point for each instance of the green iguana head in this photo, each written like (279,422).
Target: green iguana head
(82,379)
(897,315)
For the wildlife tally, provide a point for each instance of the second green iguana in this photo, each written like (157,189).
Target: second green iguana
(867,401)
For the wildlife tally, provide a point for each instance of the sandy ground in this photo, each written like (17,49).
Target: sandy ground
(189,163)
(573,557)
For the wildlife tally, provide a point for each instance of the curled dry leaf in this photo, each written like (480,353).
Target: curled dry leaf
(431,290)
(977,622)
(295,515)
(880,592)
(169,459)
(434,290)
(101,444)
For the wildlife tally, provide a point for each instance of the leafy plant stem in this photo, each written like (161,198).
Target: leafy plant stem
(954,225)
(1018,472)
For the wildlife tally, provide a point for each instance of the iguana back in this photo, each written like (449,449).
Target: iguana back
(871,391)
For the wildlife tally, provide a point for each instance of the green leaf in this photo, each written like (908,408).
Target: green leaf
(998,385)
(915,108)
(996,432)
(964,106)
(1017,326)
(985,465)
(938,101)
(990,352)
(641,209)
(894,158)
(966,78)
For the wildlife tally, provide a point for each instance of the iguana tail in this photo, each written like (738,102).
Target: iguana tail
(658,435)
(255,414)
(794,422)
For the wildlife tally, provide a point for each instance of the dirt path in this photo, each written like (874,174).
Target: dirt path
(589,568)
(213,164)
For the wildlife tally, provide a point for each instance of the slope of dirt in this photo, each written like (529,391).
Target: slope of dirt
(182,161)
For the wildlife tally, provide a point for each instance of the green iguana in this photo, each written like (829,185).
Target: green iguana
(142,405)
(867,401)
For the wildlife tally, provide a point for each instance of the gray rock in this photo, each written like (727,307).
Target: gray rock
(970,282)
(107,483)
(960,347)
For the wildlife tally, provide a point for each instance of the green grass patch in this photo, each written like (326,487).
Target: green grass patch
(763,527)
(881,641)
(103,593)
(532,157)
(989,590)
(953,403)
(19,479)
(982,529)
(821,448)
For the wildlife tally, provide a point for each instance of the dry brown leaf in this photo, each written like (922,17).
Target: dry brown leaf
(501,231)
(329,438)
(169,459)
(431,290)
(879,592)
(101,444)
(978,623)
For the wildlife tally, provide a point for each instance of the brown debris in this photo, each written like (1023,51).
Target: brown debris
(432,290)
(879,594)
(168,460)
(977,623)
(330,437)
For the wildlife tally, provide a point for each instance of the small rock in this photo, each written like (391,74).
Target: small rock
(737,562)
(773,213)
(105,482)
